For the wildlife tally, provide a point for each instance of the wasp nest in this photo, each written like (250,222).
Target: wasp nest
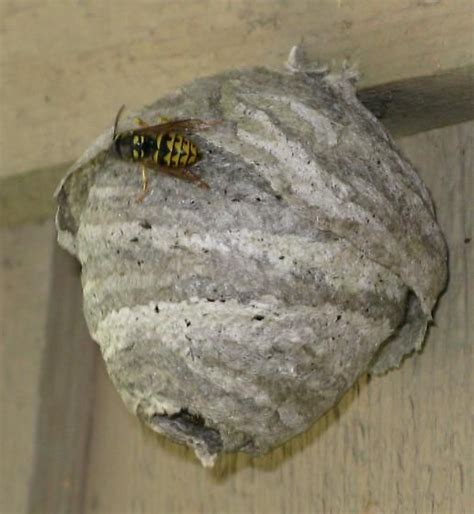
(230,319)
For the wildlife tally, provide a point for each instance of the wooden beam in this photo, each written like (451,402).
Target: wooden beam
(420,103)
(64,419)
(61,87)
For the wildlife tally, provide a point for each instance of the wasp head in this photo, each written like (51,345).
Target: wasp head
(123,145)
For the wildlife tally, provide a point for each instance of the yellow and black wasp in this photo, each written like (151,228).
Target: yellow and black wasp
(162,147)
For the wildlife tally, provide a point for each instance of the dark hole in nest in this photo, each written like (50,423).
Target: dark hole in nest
(184,425)
(187,417)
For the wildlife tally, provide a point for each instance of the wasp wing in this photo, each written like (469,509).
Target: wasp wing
(187,125)
(179,172)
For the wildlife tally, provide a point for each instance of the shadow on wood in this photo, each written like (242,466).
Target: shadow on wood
(67,385)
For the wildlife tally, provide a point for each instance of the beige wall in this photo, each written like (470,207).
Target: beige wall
(66,66)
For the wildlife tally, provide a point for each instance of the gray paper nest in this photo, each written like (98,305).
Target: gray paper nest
(231,319)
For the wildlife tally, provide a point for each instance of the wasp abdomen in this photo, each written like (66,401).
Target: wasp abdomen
(174,150)
(169,149)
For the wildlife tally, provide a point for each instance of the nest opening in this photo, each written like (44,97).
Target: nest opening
(185,427)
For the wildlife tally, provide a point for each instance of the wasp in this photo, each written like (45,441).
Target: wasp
(162,147)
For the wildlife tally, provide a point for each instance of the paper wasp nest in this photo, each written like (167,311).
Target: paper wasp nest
(230,319)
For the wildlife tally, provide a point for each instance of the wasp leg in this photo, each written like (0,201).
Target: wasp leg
(144,192)
(192,177)
(163,119)
(138,121)
(143,124)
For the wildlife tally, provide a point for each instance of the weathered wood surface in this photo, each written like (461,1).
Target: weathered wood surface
(398,444)
(67,66)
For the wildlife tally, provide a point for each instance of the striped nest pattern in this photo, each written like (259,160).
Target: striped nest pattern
(230,319)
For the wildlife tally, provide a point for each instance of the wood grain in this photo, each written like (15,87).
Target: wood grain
(400,443)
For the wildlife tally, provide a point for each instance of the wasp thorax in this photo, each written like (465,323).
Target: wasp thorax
(232,317)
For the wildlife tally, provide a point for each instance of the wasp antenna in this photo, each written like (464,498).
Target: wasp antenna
(117,120)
